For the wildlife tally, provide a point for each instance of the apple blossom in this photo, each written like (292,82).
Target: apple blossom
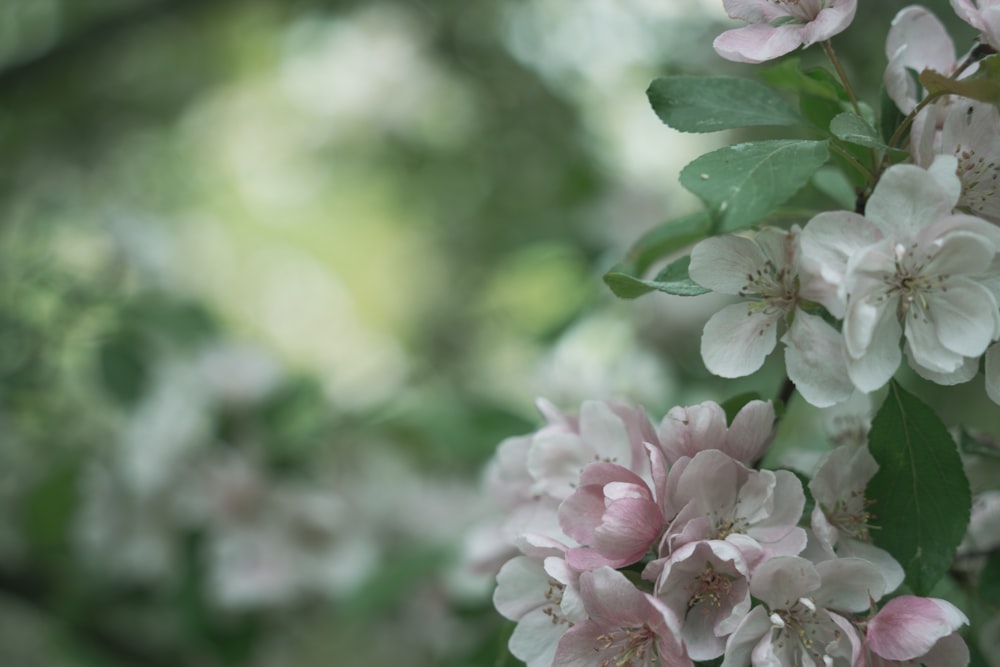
(800,623)
(707,585)
(913,269)
(736,340)
(911,629)
(778,27)
(626,627)
(685,431)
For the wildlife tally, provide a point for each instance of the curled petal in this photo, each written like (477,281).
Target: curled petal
(908,626)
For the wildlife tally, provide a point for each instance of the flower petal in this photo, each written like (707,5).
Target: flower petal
(815,361)
(908,198)
(758,42)
(725,263)
(737,339)
(908,626)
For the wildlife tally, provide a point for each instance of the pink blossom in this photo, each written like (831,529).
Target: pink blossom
(707,585)
(721,499)
(528,593)
(614,514)
(778,27)
(983,15)
(625,627)
(922,630)
(685,431)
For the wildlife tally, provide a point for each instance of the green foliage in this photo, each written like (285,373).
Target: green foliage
(674,279)
(742,184)
(816,83)
(984,85)
(854,129)
(709,104)
(920,495)
(625,278)
(989,580)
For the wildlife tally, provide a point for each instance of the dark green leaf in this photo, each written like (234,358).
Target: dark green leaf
(920,495)
(741,184)
(890,117)
(709,104)
(989,580)
(673,280)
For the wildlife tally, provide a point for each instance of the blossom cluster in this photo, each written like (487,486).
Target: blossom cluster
(918,261)
(642,544)
(628,542)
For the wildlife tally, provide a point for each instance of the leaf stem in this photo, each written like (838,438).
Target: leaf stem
(846,154)
(828,48)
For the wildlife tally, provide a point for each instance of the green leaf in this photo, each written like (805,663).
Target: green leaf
(625,278)
(665,240)
(920,495)
(743,183)
(984,85)
(709,104)
(854,129)
(834,184)
(673,280)
(989,579)
(890,117)
(815,82)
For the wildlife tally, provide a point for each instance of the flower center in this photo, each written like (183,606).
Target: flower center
(711,588)
(635,647)
(776,290)
(554,596)
(802,633)
(803,11)
(850,516)
(909,283)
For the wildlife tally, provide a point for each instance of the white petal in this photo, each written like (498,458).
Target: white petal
(880,358)
(725,263)
(826,244)
(966,317)
(815,362)
(908,198)
(964,373)
(737,339)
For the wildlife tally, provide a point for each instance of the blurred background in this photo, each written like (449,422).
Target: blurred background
(278,275)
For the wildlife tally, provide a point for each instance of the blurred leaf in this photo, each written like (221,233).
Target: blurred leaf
(674,279)
(921,498)
(710,104)
(832,182)
(989,580)
(984,445)
(122,363)
(741,184)
(49,509)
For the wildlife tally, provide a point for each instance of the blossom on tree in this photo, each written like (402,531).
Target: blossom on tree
(801,622)
(625,626)
(911,268)
(777,27)
(736,340)
(685,431)
(707,585)
(916,630)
